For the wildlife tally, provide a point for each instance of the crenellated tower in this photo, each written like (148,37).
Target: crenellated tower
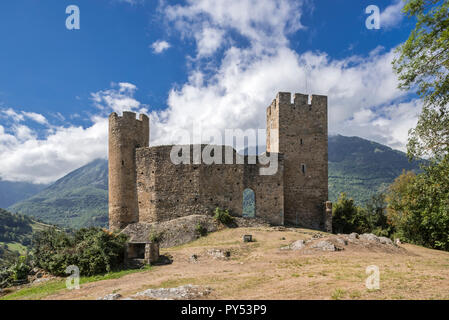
(298,129)
(126,133)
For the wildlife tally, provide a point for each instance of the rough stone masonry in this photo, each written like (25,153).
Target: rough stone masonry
(145,186)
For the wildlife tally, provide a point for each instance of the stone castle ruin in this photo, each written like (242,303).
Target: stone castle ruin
(145,185)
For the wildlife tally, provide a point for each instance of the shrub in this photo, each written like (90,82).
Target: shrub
(20,269)
(155,236)
(200,229)
(347,217)
(223,216)
(92,250)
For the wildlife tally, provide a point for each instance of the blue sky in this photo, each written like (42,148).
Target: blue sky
(220,63)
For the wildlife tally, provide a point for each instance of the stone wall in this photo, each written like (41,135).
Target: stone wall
(302,139)
(168,191)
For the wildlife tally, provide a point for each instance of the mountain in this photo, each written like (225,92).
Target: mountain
(77,200)
(12,192)
(362,168)
(359,167)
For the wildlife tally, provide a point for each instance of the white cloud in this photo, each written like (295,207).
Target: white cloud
(35,117)
(22,115)
(363,94)
(233,93)
(392,15)
(160,46)
(25,157)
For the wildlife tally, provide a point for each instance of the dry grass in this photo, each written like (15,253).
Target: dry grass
(259,270)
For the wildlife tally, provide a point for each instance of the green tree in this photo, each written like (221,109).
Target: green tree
(376,216)
(423,63)
(418,206)
(347,217)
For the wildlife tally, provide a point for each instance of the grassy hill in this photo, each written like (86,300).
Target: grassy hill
(260,270)
(359,167)
(77,200)
(16,234)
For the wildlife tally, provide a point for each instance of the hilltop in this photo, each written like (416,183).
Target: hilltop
(263,270)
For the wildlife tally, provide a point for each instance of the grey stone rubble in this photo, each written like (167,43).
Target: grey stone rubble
(179,293)
(219,254)
(338,242)
(324,245)
(112,296)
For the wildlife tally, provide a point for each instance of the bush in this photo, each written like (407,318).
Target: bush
(155,236)
(15,271)
(92,250)
(20,270)
(223,216)
(347,217)
(201,230)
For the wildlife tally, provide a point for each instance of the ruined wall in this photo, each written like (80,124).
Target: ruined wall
(126,133)
(167,191)
(146,186)
(302,130)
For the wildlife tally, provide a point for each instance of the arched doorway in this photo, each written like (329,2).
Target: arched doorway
(249,203)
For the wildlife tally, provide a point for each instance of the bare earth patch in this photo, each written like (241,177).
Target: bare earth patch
(263,270)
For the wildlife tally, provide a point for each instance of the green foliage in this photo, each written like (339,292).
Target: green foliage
(155,236)
(375,212)
(418,206)
(223,216)
(347,217)
(423,63)
(93,250)
(200,229)
(372,218)
(14,227)
(20,270)
(17,270)
(424,57)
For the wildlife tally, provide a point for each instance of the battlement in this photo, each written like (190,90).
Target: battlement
(300,101)
(129,116)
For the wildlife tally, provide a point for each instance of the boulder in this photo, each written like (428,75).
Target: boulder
(324,245)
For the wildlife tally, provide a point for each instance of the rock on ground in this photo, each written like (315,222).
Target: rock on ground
(186,292)
(111,296)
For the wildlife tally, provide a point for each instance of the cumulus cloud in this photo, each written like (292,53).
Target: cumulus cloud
(363,95)
(160,46)
(25,157)
(392,15)
(254,62)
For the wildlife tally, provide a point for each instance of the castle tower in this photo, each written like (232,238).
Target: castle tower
(299,131)
(126,133)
